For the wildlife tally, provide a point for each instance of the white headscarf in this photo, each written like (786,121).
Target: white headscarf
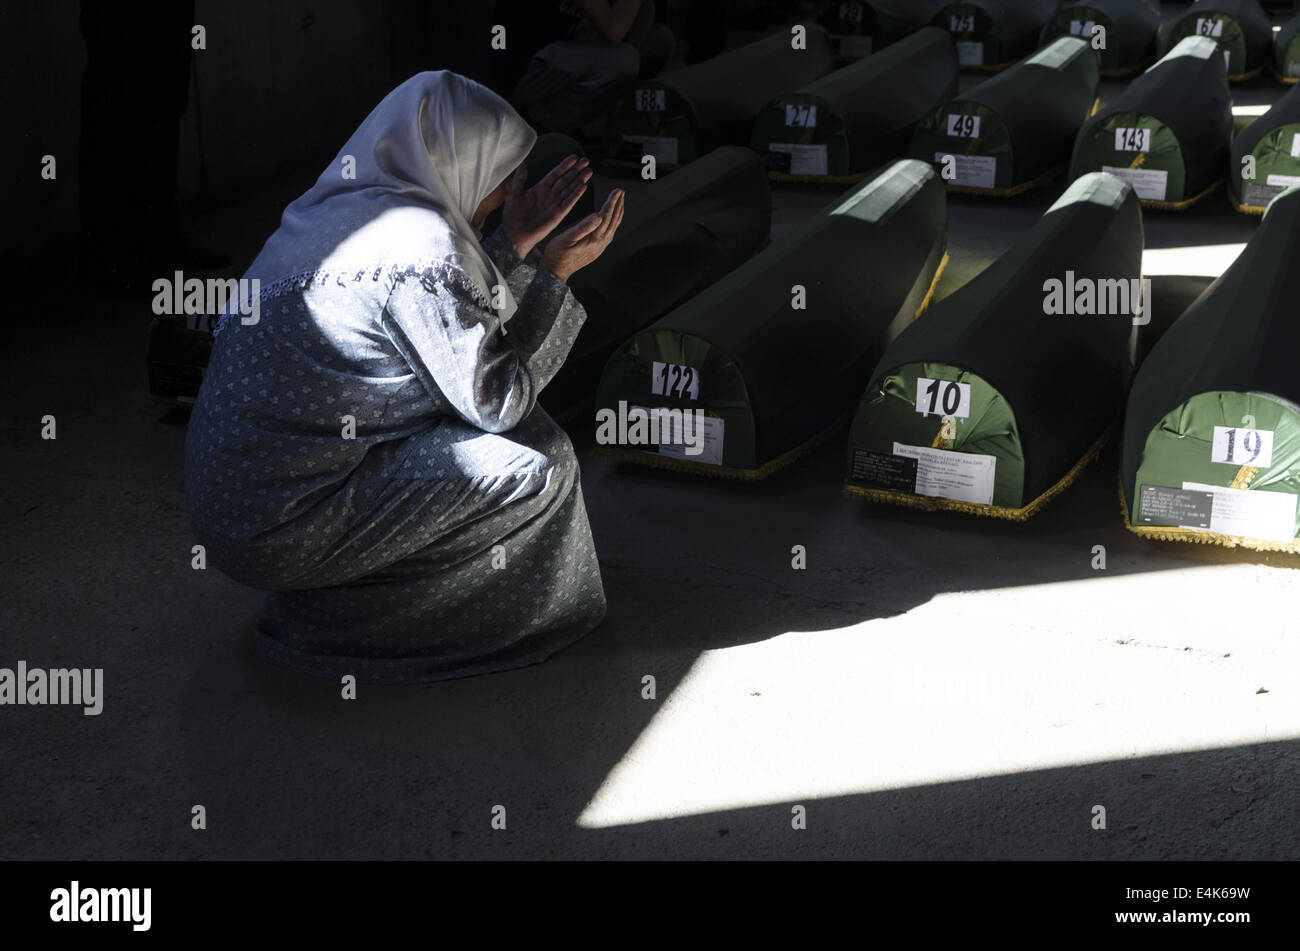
(438,142)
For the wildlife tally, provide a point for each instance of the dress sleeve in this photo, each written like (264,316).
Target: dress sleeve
(501,251)
(453,339)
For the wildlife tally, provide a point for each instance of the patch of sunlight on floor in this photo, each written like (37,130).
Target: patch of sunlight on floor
(973,684)
(1206,260)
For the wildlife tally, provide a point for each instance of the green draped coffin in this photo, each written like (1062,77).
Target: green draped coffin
(1168,133)
(1014,130)
(855,27)
(684,114)
(860,28)
(1212,432)
(846,125)
(771,358)
(1130,31)
(1273,141)
(680,233)
(1286,52)
(993,34)
(1241,28)
(994,400)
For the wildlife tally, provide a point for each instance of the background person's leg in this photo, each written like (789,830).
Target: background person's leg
(656,51)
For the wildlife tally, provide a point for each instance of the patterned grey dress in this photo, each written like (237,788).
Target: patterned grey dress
(448,537)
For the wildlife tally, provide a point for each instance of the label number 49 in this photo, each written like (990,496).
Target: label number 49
(942,397)
(965,127)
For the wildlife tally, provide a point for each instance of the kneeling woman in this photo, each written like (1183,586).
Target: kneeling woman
(369,450)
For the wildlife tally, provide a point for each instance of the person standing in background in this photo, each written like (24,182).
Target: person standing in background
(566,60)
(133,93)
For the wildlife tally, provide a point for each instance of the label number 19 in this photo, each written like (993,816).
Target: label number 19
(1242,447)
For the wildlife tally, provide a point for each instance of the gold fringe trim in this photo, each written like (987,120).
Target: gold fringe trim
(1186,203)
(1289,80)
(819,179)
(997,68)
(1242,479)
(1242,77)
(928,299)
(1199,536)
(1256,210)
(655,461)
(1123,71)
(1043,179)
(933,503)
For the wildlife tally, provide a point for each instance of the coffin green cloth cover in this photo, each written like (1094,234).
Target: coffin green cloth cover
(1015,129)
(774,355)
(1286,51)
(1130,26)
(1213,426)
(679,234)
(855,27)
(1274,141)
(992,34)
(1168,133)
(859,28)
(857,118)
(989,404)
(1241,28)
(681,116)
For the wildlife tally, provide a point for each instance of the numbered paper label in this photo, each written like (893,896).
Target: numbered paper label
(663,148)
(1132,140)
(970,53)
(804,159)
(970,171)
(1151,184)
(669,379)
(1250,514)
(963,127)
(942,397)
(801,116)
(1242,447)
(1209,26)
(962,24)
(650,100)
(850,12)
(962,476)
(700,438)
(1082,28)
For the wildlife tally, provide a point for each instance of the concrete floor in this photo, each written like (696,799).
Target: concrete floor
(930,686)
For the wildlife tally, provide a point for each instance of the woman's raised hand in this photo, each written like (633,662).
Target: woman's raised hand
(578,246)
(531,214)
